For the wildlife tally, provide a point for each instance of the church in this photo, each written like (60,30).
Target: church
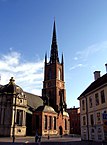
(23,113)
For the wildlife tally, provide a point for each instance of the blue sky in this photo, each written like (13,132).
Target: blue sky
(26,33)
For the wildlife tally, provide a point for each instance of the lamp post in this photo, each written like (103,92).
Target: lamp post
(13,135)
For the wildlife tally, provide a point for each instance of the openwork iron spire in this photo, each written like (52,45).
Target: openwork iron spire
(54,48)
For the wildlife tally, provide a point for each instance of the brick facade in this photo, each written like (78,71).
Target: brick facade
(53,94)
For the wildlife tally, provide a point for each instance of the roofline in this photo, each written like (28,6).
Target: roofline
(84,95)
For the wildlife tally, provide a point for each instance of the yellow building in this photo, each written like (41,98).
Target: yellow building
(93,109)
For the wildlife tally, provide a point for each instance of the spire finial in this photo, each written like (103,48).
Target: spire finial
(54,35)
(12,81)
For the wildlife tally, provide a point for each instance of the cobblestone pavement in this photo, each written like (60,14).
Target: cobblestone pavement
(65,140)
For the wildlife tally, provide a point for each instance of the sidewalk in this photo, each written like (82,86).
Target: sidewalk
(65,140)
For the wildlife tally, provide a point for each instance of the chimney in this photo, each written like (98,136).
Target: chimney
(106,67)
(96,75)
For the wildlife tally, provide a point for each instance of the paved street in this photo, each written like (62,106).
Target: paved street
(45,141)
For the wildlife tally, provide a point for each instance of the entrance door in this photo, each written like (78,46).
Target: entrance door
(60,130)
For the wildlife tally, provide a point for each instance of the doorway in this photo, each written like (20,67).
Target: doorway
(60,130)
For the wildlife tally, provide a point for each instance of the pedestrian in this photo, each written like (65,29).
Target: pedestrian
(36,136)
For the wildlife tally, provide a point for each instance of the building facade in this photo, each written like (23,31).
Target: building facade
(16,109)
(74,114)
(93,109)
(54,95)
(13,105)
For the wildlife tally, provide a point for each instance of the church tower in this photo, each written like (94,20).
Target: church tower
(53,92)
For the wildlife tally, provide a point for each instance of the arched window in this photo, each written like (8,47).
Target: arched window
(54,123)
(59,74)
(65,124)
(50,122)
(45,122)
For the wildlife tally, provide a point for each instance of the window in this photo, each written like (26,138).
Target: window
(45,123)
(96,99)
(84,120)
(50,122)
(98,116)
(54,123)
(65,124)
(102,97)
(59,74)
(91,119)
(19,117)
(90,102)
(83,105)
(92,131)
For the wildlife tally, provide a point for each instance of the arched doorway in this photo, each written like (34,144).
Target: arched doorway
(60,130)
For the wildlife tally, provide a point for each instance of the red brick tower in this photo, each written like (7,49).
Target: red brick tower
(53,91)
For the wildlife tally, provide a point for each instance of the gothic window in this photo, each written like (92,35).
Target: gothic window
(83,105)
(84,120)
(102,97)
(54,123)
(90,102)
(45,123)
(65,124)
(92,119)
(96,99)
(50,122)
(59,74)
(19,117)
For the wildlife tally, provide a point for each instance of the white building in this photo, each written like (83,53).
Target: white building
(93,109)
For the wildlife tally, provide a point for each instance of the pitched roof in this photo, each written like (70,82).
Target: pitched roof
(94,85)
(34,101)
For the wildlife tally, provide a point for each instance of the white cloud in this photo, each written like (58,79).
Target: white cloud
(28,75)
(77,66)
(95,48)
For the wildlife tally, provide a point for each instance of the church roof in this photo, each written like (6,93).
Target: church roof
(45,108)
(94,85)
(34,101)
